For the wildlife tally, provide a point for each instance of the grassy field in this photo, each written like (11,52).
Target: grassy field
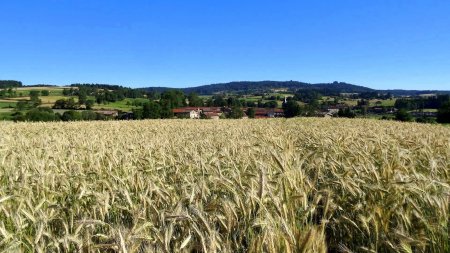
(430,110)
(384,102)
(282,95)
(205,97)
(54,91)
(49,101)
(297,185)
(5,114)
(26,88)
(56,94)
(123,105)
(7,104)
(253,98)
(372,102)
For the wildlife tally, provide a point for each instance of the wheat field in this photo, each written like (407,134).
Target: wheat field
(280,185)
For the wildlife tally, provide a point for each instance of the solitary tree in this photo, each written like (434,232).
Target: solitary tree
(21,105)
(291,109)
(71,116)
(403,115)
(236,112)
(34,98)
(151,110)
(82,97)
(89,103)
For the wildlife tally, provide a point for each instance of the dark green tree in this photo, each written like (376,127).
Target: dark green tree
(403,115)
(71,116)
(166,109)
(291,109)
(233,102)
(88,115)
(443,115)
(174,98)
(18,116)
(82,97)
(137,113)
(11,92)
(9,83)
(346,113)
(218,101)
(21,105)
(65,104)
(66,92)
(151,110)
(236,113)
(425,120)
(41,114)
(251,104)
(34,94)
(271,104)
(71,104)
(59,104)
(34,98)
(195,100)
(89,104)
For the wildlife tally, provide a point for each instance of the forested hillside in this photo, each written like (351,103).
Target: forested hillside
(247,87)
(9,84)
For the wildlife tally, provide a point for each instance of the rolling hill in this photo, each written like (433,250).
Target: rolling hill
(263,86)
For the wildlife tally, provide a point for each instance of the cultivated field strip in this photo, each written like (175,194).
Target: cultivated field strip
(297,185)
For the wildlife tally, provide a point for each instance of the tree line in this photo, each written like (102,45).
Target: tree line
(45,114)
(416,103)
(5,84)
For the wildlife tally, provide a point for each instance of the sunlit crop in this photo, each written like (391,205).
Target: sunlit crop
(298,185)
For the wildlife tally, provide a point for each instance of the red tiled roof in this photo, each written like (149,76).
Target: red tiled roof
(190,108)
(211,109)
(180,110)
(264,111)
(201,108)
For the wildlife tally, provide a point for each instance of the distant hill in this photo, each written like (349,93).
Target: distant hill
(249,87)
(266,86)
(398,92)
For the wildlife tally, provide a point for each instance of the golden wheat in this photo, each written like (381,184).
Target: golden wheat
(298,185)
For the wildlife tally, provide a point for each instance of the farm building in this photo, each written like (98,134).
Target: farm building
(216,112)
(196,112)
(268,113)
(187,113)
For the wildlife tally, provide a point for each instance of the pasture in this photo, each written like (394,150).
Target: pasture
(54,91)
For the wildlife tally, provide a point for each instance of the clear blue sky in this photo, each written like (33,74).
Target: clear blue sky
(380,44)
